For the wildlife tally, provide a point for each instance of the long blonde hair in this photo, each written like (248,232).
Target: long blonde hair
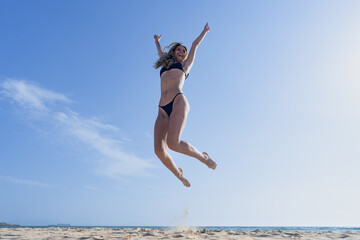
(169,58)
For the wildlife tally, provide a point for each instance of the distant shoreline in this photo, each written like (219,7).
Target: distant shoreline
(199,228)
(4,224)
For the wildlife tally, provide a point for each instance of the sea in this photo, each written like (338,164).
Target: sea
(214,228)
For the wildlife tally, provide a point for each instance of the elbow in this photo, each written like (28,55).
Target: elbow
(195,44)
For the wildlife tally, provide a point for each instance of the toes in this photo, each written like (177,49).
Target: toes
(210,163)
(186,183)
(182,179)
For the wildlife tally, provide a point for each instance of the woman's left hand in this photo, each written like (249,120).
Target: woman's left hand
(206,28)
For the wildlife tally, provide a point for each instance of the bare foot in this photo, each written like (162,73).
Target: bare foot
(183,179)
(209,162)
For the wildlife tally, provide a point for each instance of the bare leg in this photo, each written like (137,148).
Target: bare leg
(160,136)
(176,126)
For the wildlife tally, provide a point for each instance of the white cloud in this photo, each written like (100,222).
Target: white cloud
(114,160)
(23,181)
(28,95)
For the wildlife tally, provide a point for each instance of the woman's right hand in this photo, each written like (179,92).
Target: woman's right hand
(157,38)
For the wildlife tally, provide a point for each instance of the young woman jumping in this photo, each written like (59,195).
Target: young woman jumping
(173,106)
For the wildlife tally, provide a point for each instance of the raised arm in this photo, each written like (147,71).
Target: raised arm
(190,59)
(158,46)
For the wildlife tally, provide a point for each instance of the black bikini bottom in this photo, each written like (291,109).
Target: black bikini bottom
(168,107)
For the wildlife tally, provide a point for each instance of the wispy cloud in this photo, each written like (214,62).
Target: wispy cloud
(90,131)
(127,139)
(28,95)
(148,135)
(23,181)
(89,187)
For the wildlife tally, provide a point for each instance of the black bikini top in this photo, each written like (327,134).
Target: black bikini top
(177,65)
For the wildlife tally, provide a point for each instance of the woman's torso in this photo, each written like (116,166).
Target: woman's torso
(172,81)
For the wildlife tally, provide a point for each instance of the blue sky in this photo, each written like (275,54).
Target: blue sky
(274,98)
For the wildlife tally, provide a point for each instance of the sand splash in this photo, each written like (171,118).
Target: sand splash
(184,226)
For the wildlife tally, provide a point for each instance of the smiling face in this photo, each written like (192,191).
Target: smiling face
(180,53)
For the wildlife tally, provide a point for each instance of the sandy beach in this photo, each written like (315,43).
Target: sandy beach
(137,233)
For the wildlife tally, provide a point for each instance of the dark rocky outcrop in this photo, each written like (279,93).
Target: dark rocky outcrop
(8,224)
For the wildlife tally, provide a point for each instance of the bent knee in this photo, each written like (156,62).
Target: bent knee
(173,143)
(160,152)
